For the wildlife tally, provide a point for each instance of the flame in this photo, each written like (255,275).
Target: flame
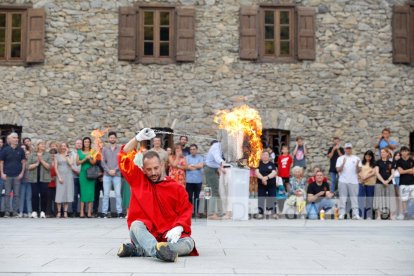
(248,120)
(96,151)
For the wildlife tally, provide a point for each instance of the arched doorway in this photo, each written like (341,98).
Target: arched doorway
(7,129)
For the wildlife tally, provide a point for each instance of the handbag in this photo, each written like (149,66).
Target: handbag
(93,172)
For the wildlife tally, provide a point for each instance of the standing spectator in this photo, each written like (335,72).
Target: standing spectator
(406,168)
(39,163)
(368,178)
(76,171)
(27,142)
(112,174)
(297,188)
(51,187)
(177,165)
(214,167)
(25,206)
(384,200)
(64,185)
(266,177)
(87,186)
(319,197)
(385,141)
(271,154)
(12,168)
(299,153)
(194,176)
(396,183)
(348,167)
(334,152)
(161,152)
(183,143)
(284,163)
(99,184)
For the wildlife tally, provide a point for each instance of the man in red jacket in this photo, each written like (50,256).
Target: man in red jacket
(159,217)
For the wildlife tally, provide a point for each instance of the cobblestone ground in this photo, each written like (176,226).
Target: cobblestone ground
(268,247)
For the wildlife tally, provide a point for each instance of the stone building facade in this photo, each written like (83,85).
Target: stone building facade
(351,89)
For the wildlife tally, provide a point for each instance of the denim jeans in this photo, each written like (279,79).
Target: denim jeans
(25,197)
(12,184)
(145,242)
(107,183)
(366,201)
(312,209)
(39,188)
(334,178)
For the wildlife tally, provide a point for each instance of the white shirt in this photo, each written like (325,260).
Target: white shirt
(349,173)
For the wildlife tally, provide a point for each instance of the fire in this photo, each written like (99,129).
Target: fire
(248,120)
(96,151)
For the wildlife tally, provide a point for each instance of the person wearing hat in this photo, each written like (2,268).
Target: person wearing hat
(348,167)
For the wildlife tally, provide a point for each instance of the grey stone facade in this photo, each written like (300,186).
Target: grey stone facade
(351,90)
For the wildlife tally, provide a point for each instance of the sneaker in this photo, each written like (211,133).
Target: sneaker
(400,217)
(164,252)
(25,215)
(127,250)
(34,214)
(19,215)
(120,215)
(42,215)
(341,217)
(258,216)
(6,215)
(356,217)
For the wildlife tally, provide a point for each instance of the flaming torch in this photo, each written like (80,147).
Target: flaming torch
(96,151)
(247,121)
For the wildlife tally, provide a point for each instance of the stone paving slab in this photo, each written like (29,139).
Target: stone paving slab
(284,247)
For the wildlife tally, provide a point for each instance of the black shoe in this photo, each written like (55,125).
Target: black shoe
(127,250)
(164,252)
(120,215)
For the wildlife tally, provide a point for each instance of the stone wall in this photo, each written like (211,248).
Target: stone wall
(352,90)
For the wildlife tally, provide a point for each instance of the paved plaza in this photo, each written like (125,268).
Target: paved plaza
(268,247)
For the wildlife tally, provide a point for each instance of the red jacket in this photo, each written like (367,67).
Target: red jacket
(160,206)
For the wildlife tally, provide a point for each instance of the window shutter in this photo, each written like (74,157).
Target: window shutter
(35,35)
(306,33)
(127,33)
(185,40)
(401,34)
(248,32)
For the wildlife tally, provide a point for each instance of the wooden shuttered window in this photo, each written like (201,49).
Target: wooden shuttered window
(306,33)
(248,33)
(278,33)
(127,33)
(402,30)
(156,33)
(185,38)
(35,35)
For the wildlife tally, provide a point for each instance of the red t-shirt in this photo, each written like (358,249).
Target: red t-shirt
(160,206)
(52,183)
(284,162)
(312,179)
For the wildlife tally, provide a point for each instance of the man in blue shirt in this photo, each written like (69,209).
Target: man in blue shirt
(385,141)
(12,166)
(214,166)
(194,176)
